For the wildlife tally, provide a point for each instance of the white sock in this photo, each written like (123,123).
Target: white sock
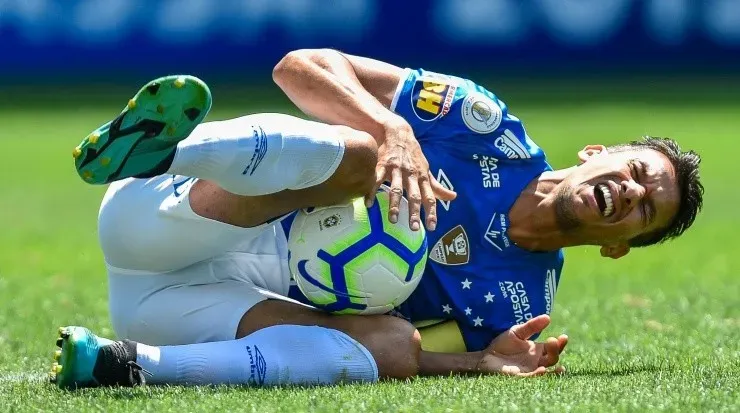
(260,154)
(278,355)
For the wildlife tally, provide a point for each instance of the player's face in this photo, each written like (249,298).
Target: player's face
(614,197)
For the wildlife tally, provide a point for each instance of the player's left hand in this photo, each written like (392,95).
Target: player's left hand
(402,163)
(513,353)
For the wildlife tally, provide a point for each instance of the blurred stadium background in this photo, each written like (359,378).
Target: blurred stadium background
(657,330)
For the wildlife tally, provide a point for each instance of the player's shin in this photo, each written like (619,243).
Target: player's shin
(278,355)
(260,154)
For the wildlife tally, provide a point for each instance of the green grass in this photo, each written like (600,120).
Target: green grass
(657,330)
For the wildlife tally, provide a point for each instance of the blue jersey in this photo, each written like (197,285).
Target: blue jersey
(474,275)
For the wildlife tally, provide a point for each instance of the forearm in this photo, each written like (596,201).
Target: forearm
(444,364)
(325,85)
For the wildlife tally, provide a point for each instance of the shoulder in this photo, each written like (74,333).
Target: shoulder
(462,112)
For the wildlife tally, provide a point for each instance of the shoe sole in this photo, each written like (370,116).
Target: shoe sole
(64,359)
(145,134)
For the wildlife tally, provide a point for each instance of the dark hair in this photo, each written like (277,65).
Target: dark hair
(691,191)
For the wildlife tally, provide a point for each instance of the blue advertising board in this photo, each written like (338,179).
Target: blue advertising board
(242,36)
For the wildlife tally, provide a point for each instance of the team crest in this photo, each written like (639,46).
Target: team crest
(480,113)
(452,249)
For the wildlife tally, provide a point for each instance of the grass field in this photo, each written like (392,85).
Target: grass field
(658,330)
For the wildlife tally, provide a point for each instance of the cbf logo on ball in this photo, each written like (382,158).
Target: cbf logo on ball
(480,113)
(432,97)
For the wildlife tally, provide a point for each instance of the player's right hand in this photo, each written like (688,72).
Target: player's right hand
(513,353)
(402,163)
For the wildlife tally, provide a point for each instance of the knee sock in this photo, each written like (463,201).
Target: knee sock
(260,154)
(278,355)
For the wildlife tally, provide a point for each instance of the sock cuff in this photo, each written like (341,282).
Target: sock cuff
(361,348)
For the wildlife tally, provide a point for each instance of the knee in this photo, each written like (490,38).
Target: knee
(399,350)
(356,173)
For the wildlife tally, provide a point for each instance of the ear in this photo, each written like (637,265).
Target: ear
(615,251)
(590,151)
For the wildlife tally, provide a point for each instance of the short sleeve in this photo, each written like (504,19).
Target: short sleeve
(454,110)
(423,98)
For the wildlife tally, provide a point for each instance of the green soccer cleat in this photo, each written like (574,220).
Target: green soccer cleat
(141,141)
(86,360)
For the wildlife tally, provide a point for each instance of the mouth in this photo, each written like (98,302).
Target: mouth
(604,200)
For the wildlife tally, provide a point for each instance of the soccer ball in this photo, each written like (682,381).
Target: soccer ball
(349,259)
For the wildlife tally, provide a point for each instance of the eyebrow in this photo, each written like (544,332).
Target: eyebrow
(650,210)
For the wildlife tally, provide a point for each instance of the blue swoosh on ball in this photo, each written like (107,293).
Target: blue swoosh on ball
(317,283)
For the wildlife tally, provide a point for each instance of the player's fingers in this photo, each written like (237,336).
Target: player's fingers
(430,203)
(562,342)
(511,370)
(531,327)
(539,371)
(550,353)
(379,179)
(440,191)
(413,195)
(395,195)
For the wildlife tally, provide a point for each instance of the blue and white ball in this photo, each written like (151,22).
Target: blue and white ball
(349,259)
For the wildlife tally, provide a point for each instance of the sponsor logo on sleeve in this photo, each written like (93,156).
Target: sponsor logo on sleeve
(511,146)
(432,97)
(445,182)
(480,113)
(452,249)
(488,166)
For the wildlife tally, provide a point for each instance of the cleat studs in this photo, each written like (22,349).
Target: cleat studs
(76,152)
(87,175)
(57,355)
(93,138)
(59,342)
(179,82)
(131,103)
(105,161)
(61,330)
(160,109)
(58,369)
(170,130)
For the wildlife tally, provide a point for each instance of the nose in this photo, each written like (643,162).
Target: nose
(633,192)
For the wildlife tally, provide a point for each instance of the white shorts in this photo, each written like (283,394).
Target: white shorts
(176,277)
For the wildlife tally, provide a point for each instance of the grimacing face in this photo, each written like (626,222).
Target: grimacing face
(614,197)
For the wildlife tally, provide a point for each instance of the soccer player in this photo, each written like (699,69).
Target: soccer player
(193,228)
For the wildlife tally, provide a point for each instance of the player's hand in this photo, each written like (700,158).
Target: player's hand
(402,163)
(512,353)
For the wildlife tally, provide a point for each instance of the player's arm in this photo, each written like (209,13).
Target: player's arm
(342,89)
(337,88)
(511,353)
